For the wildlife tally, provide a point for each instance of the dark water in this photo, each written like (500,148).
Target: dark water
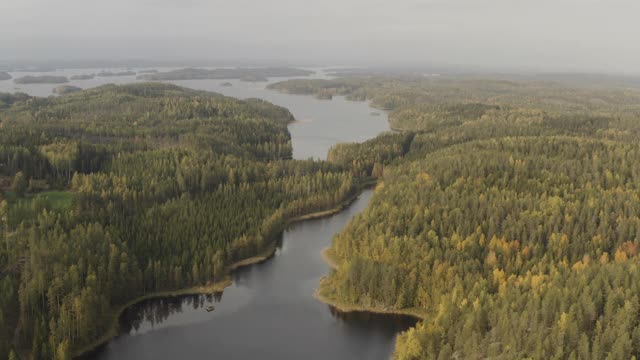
(268,313)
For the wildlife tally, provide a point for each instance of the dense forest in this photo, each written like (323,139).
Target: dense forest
(118,192)
(506,216)
(506,213)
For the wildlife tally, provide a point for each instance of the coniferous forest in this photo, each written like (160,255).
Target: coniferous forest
(506,214)
(118,192)
(506,217)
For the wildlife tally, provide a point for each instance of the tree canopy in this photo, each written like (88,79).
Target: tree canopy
(506,215)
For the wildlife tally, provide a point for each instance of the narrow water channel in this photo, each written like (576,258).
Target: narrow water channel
(268,313)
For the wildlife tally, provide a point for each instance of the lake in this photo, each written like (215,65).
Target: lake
(269,311)
(321,123)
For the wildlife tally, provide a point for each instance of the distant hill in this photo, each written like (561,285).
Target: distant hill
(121,73)
(248,74)
(44,79)
(82,77)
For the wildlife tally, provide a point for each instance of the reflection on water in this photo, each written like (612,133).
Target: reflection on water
(149,314)
(146,315)
(364,319)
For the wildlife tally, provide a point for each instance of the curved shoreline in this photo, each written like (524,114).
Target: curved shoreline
(350,308)
(332,262)
(218,286)
(113,332)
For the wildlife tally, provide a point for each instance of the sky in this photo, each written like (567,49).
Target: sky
(502,35)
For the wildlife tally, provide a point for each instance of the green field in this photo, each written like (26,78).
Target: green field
(56,200)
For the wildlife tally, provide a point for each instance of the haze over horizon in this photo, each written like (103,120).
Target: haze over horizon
(503,35)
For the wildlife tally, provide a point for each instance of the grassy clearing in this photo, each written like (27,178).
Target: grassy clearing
(57,200)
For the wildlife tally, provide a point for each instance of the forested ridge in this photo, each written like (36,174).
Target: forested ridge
(248,74)
(506,216)
(116,192)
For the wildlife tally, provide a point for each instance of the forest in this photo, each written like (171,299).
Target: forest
(506,216)
(65,89)
(118,192)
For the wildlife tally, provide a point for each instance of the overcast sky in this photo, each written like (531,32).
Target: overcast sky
(565,35)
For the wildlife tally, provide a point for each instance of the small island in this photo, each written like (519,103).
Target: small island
(82,77)
(121,73)
(254,78)
(226,84)
(36,69)
(4,76)
(245,74)
(44,79)
(66,89)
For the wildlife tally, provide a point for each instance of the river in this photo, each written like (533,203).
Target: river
(269,311)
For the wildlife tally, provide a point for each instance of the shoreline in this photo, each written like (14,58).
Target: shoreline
(350,308)
(329,258)
(219,286)
(113,332)
(303,121)
(331,261)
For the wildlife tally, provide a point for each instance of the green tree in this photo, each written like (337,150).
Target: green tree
(62,352)
(20,184)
